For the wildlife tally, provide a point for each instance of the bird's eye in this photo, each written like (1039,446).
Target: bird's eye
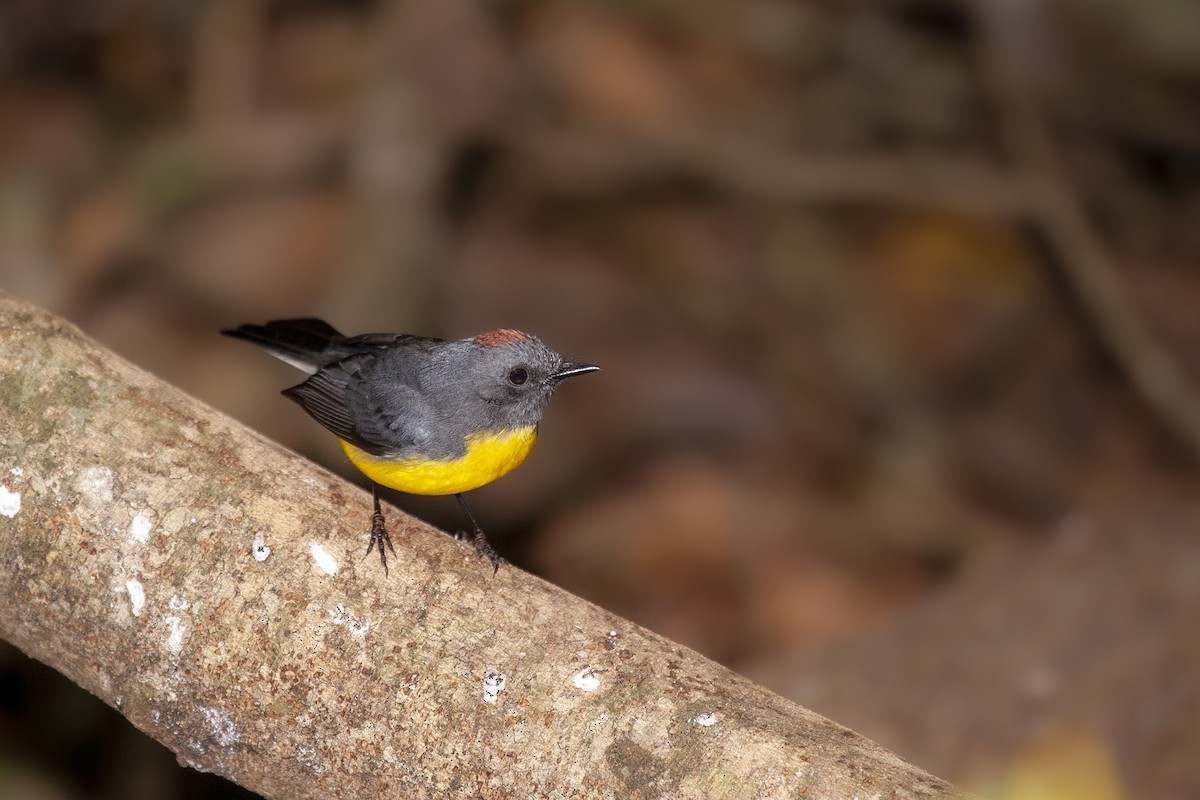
(518,376)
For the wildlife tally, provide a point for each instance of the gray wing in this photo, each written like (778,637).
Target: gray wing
(324,397)
(368,400)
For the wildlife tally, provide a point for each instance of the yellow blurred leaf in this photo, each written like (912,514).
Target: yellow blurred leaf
(1070,765)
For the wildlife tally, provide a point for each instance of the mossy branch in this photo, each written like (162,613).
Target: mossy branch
(210,585)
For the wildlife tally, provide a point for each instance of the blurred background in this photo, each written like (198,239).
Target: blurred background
(896,304)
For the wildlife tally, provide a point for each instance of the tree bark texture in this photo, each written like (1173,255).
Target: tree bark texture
(211,586)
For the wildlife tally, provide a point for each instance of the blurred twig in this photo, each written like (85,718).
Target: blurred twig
(1058,214)
(575,161)
(1032,187)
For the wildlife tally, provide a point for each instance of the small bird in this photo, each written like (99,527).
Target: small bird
(417,414)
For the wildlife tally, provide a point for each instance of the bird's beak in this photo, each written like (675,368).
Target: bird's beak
(571,368)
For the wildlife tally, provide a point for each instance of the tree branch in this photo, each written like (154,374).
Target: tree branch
(211,586)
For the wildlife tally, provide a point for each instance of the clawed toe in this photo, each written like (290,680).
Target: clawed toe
(380,539)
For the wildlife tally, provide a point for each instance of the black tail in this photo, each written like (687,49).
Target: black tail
(307,344)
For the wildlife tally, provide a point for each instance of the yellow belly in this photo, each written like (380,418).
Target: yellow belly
(489,455)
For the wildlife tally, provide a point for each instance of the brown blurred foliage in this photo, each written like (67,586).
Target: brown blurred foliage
(840,263)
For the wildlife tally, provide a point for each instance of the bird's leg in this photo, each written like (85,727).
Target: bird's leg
(482,545)
(379,534)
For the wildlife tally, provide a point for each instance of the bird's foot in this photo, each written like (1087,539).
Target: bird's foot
(380,539)
(483,547)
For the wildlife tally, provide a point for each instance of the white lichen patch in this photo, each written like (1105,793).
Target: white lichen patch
(325,562)
(174,624)
(139,529)
(357,626)
(95,484)
(587,679)
(175,631)
(707,719)
(258,547)
(308,757)
(137,596)
(221,725)
(493,685)
(10,502)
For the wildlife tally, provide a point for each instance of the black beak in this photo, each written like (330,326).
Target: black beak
(571,368)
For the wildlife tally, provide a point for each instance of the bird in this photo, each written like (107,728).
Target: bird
(419,414)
